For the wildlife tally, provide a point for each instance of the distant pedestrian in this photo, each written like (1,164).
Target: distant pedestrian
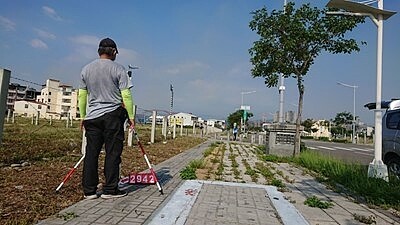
(235,131)
(105,86)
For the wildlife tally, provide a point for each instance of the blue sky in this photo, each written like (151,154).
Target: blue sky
(201,47)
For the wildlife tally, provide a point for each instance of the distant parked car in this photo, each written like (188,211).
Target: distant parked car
(390,135)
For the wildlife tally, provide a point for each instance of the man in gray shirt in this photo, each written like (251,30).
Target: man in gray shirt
(104,87)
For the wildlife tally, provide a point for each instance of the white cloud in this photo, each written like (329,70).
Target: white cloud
(85,48)
(186,68)
(44,34)
(7,24)
(50,12)
(86,40)
(36,43)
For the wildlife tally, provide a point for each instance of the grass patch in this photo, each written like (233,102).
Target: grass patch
(277,183)
(354,178)
(67,216)
(351,178)
(316,202)
(197,163)
(189,172)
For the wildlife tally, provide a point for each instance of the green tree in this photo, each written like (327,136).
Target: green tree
(307,124)
(290,40)
(341,120)
(235,117)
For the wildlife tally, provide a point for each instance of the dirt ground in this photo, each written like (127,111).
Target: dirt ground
(28,192)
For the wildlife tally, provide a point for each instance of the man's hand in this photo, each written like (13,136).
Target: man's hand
(131,123)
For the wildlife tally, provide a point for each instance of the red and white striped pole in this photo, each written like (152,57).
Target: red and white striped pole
(69,174)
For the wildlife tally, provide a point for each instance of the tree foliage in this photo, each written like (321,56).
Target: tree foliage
(307,124)
(235,117)
(343,118)
(290,40)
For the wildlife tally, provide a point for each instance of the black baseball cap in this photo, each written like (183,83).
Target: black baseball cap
(108,42)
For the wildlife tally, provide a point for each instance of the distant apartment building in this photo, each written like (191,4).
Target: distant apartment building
(20,92)
(290,117)
(61,99)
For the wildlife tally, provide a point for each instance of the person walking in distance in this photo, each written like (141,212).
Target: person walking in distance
(235,131)
(105,87)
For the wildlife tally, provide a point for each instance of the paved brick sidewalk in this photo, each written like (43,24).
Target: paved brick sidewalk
(246,201)
(202,202)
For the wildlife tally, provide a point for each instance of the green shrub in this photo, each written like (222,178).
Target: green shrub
(339,140)
(323,138)
(307,137)
(188,173)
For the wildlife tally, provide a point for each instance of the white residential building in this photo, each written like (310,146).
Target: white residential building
(30,108)
(61,99)
(187,118)
(216,123)
(322,129)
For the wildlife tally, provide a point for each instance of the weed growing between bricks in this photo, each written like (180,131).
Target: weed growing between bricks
(249,171)
(314,201)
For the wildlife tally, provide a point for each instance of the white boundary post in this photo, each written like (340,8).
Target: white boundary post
(164,127)
(8,115)
(4,81)
(153,127)
(174,129)
(181,126)
(37,118)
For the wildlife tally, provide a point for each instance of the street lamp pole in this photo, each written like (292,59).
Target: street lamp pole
(353,125)
(376,168)
(281,88)
(171,88)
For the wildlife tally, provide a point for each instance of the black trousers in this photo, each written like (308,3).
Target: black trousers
(108,130)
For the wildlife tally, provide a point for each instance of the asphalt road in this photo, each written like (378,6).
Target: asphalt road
(363,154)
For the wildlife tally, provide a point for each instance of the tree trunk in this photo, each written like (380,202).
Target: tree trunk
(300,87)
